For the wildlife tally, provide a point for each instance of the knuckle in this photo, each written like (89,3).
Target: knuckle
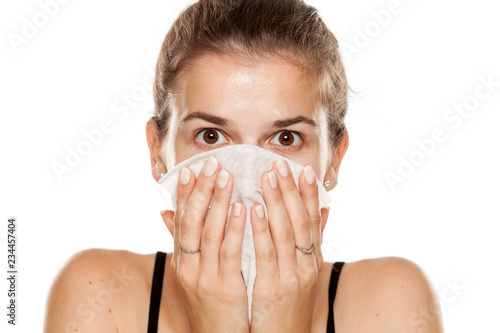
(261,311)
(184,279)
(305,218)
(177,218)
(226,294)
(280,295)
(310,276)
(269,255)
(206,187)
(288,289)
(316,218)
(204,287)
(196,204)
(287,236)
(200,197)
(209,234)
(186,213)
(292,283)
(186,225)
(228,253)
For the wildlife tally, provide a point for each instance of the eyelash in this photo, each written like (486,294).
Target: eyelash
(282,147)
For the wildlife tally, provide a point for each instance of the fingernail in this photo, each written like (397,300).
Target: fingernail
(162,211)
(210,166)
(185,175)
(222,179)
(309,173)
(260,211)
(236,209)
(271,177)
(282,167)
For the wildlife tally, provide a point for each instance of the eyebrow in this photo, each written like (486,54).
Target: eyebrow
(224,122)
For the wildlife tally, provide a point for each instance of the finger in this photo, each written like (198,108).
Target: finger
(168,219)
(308,189)
(215,223)
(185,186)
(300,219)
(265,251)
(279,223)
(230,251)
(194,212)
(325,213)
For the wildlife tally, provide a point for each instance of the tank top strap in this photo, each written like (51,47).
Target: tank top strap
(156,289)
(332,291)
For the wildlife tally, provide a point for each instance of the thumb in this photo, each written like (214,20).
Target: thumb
(325,212)
(168,219)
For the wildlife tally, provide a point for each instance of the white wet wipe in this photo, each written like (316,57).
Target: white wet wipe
(246,163)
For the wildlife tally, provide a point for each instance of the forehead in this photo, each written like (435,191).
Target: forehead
(224,84)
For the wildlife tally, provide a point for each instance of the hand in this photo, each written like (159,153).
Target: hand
(210,281)
(285,287)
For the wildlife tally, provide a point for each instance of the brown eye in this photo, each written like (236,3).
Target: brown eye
(211,137)
(287,138)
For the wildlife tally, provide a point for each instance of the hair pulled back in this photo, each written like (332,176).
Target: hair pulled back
(253,29)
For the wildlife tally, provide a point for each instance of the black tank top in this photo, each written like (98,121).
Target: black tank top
(156,289)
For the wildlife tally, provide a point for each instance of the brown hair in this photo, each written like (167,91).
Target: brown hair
(254,29)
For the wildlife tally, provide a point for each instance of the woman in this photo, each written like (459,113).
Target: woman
(259,72)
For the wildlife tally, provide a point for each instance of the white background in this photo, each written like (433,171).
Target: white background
(75,70)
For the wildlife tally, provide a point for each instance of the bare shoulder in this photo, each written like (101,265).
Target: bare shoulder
(386,294)
(92,288)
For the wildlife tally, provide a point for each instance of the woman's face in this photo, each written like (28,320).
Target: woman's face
(269,104)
